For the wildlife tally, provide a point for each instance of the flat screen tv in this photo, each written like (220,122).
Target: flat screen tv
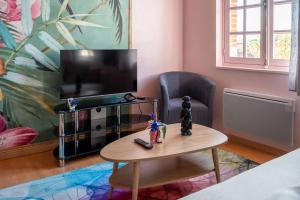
(86,73)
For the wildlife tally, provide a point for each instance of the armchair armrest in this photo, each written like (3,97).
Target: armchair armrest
(206,89)
(164,100)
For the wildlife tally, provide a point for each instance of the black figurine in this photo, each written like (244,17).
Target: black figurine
(186,115)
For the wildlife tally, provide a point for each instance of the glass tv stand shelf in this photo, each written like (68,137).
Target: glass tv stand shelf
(77,140)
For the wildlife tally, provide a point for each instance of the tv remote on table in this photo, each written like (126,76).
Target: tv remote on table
(143,143)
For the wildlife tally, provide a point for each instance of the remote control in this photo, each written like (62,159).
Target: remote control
(143,143)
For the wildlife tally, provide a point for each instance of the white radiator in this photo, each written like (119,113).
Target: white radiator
(262,118)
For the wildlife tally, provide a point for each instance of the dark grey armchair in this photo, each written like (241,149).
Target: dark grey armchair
(175,85)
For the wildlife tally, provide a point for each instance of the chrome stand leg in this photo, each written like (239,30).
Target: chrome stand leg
(61,153)
(76,131)
(119,121)
(61,163)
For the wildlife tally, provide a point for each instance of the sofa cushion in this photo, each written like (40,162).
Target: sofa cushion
(199,111)
(258,183)
(286,194)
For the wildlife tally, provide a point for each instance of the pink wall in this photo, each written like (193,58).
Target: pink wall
(199,55)
(157,34)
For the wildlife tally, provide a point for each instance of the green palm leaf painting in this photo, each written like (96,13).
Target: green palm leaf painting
(46,10)
(70,11)
(26,62)
(116,6)
(30,43)
(49,41)
(65,33)
(6,36)
(27,22)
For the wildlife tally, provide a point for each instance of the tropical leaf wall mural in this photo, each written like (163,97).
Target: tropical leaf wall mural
(32,33)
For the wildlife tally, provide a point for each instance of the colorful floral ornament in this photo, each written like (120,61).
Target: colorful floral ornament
(156,128)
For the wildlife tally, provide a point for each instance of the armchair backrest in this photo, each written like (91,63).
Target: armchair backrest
(181,84)
(172,81)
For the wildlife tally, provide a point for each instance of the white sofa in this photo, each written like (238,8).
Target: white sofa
(278,179)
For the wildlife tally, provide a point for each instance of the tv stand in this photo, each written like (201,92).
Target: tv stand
(75,141)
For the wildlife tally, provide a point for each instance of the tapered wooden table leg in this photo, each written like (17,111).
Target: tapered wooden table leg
(216,164)
(115,169)
(136,178)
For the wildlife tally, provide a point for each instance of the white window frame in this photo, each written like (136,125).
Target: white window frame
(266,35)
(275,62)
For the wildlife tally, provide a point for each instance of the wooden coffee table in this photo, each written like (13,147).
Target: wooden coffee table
(174,160)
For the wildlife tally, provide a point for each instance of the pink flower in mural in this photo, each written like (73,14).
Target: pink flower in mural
(16,137)
(13,9)
(10,10)
(36,9)
(3,124)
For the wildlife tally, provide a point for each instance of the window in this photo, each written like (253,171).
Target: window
(257,32)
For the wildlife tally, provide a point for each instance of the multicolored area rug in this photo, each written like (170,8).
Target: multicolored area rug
(91,183)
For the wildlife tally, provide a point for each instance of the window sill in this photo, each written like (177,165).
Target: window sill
(270,69)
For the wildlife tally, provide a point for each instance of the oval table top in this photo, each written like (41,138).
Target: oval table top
(125,150)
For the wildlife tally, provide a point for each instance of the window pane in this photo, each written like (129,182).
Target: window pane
(282,17)
(236,45)
(282,46)
(253,21)
(252,2)
(253,46)
(235,3)
(236,20)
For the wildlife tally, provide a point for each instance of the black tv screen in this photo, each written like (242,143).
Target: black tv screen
(97,72)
